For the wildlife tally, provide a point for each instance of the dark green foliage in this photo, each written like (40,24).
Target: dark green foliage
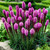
(3,33)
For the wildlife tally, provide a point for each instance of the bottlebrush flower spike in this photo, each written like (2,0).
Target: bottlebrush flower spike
(43,10)
(12,13)
(7,14)
(29,4)
(30,10)
(20,11)
(21,24)
(23,5)
(30,17)
(10,7)
(42,16)
(9,20)
(15,26)
(23,14)
(34,19)
(19,18)
(12,20)
(4,12)
(17,11)
(23,30)
(3,19)
(28,21)
(32,31)
(47,22)
(26,32)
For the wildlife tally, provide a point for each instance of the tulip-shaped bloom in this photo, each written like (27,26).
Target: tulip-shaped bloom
(12,13)
(9,20)
(12,20)
(20,11)
(15,26)
(34,19)
(32,31)
(19,19)
(47,22)
(30,10)
(17,11)
(4,12)
(27,14)
(42,16)
(7,14)
(29,4)
(23,5)
(35,13)
(23,30)
(5,24)
(26,32)
(43,10)
(10,7)
(21,24)
(3,19)
(30,17)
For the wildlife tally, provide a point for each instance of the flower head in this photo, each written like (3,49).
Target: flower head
(23,14)
(32,31)
(20,10)
(4,12)
(19,18)
(21,24)
(15,26)
(30,17)
(23,5)
(8,20)
(29,4)
(26,32)
(3,19)
(30,10)
(10,7)
(43,10)
(7,14)
(23,30)
(46,11)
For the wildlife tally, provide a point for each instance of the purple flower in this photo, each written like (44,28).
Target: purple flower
(19,18)
(47,22)
(4,12)
(21,24)
(20,11)
(27,14)
(10,7)
(5,24)
(17,11)
(32,31)
(46,11)
(30,10)
(23,5)
(9,20)
(23,30)
(12,13)
(43,10)
(26,32)
(12,20)
(7,14)
(35,13)
(42,16)
(23,15)
(16,18)
(3,19)
(28,21)
(30,17)
(34,19)
(15,26)
(29,4)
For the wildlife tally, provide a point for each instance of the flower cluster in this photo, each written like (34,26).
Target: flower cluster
(28,22)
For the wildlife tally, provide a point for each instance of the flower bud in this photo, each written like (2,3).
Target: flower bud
(17,11)
(20,11)
(23,15)
(7,14)
(23,5)
(15,26)
(30,17)
(10,7)
(43,10)
(26,32)
(4,12)
(47,22)
(29,4)
(23,30)
(9,20)
(28,21)
(30,10)
(3,19)
(21,24)
(32,31)
(46,11)
(12,13)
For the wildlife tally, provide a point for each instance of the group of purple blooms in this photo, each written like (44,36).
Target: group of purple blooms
(25,19)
